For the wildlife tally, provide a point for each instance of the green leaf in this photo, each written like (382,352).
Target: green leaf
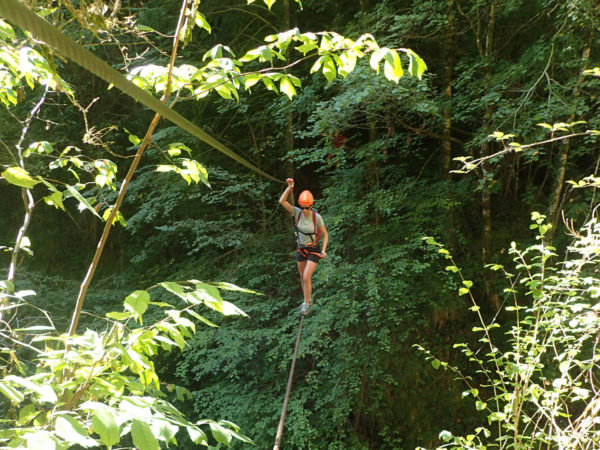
(233,287)
(463,291)
(11,393)
(202,319)
(174,288)
(19,177)
(40,440)
(212,298)
(329,70)
(202,22)
(435,363)
(26,414)
(197,436)
(118,315)
(317,65)
(69,429)
(416,65)
(55,199)
(393,66)
(83,202)
(445,435)
(45,392)
(137,302)
(286,86)
(220,433)
(104,424)
(375,59)
(250,80)
(164,430)
(142,436)
(6,31)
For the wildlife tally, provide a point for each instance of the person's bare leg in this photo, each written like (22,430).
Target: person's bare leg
(301,268)
(307,279)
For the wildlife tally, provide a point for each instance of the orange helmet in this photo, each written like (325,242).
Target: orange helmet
(305,199)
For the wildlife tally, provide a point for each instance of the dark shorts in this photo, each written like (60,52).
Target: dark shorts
(308,254)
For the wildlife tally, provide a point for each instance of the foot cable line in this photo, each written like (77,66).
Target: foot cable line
(288,390)
(21,15)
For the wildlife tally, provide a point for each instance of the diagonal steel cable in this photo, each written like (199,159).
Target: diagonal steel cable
(21,15)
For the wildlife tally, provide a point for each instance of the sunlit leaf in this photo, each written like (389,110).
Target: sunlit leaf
(6,31)
(116,315)
(202,22)
(196,434)
(83,202)
(46,393)
(329,69)
(19,177)
(142,436)
(69,429)
(220,433)
(250,80)
(104,424)
(137,302)
(287,87)
(11,393)
(392,66)
(40,439)
(55,199)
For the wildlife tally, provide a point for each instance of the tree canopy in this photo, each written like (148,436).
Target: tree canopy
(149,282)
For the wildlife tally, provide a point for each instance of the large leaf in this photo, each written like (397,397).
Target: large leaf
(137,302)
(39,440)
(104,424)
(69,429)
(212,298)
(142,436)
(164,430)
(197,436)
(45,392)
(220,433)
(6,31)
(19,177)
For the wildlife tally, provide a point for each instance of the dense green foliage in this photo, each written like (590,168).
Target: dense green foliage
(376,153)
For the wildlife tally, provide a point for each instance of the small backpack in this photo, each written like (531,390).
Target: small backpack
(316,235)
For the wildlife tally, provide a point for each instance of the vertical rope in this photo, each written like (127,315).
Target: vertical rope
(288,390)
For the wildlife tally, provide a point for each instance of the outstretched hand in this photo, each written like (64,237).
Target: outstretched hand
(290,182)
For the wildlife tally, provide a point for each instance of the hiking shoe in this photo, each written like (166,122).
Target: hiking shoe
(304,308)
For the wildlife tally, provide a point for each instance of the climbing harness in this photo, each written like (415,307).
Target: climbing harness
(288,389)
(22,16)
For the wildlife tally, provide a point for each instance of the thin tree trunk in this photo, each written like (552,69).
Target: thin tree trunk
(566,145)
(486,201)
(363,387)
(450,51)
(28,201)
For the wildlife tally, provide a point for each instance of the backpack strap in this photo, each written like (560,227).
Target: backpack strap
(317,232)
(315,236)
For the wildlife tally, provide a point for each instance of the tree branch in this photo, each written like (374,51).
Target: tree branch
(144,144)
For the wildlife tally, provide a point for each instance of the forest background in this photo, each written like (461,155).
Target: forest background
(378,155)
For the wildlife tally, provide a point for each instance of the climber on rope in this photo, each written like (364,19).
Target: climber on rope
(309,230)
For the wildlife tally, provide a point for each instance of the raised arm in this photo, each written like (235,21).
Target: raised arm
(283,199)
